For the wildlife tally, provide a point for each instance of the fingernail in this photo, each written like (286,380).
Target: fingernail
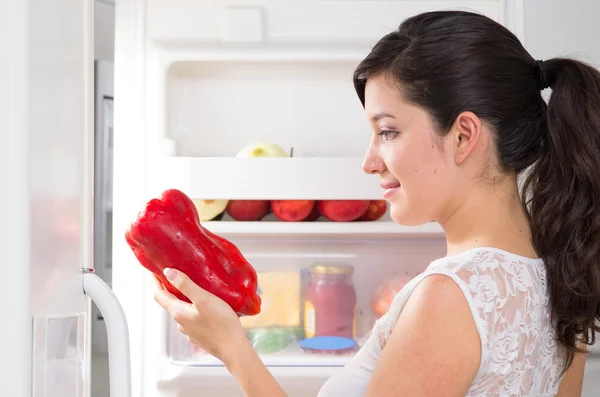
(170,274)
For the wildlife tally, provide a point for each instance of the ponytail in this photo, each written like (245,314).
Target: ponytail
(564,201)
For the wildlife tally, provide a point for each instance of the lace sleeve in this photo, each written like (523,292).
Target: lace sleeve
(507,296)
(386,324)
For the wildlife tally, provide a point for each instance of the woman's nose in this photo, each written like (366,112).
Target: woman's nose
(372,163)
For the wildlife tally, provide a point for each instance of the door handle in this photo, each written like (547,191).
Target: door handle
(119,361)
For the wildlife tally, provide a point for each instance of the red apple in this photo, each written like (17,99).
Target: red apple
(375,211)
(314,215)
(342,210)
(247,210)
(292,210)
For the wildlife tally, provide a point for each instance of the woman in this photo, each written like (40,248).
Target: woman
(454,101)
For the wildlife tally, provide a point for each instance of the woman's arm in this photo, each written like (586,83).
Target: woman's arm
(248,369)
(572,383)
(210,323)
(434,349)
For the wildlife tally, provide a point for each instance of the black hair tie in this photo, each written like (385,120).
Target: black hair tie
(542,81)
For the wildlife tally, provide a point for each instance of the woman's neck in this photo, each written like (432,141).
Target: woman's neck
(492,216)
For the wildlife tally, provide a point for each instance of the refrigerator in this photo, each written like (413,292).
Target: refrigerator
(47,167)
(195,83)
(198,81)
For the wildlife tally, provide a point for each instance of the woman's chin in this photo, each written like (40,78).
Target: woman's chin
(403,216)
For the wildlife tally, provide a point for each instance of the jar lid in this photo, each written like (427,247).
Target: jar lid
(327,343)
(332,269)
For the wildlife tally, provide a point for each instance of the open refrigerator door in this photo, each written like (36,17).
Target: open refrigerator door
(250,111)
(47,177)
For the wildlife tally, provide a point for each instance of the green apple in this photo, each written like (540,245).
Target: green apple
(262,149)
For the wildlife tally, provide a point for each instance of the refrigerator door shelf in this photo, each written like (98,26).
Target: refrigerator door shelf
(58,356)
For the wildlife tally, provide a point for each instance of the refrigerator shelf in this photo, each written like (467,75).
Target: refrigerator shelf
(173,376)
(320,229)
(295,360)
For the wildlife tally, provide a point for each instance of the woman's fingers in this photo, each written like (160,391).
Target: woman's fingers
(179,310)
(186,286)
(157,283)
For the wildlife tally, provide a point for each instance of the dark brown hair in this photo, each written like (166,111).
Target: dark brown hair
(448,62)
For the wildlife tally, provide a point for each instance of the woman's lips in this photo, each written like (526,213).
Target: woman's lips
(388,192)
(389,188)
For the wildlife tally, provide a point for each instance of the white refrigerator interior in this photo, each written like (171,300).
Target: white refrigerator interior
(196,82)
(46,171)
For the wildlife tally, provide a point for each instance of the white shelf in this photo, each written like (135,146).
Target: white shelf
(277,360)
(324,229)
(301,178)
(180,375)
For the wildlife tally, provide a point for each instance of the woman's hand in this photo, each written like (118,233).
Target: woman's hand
(208,321)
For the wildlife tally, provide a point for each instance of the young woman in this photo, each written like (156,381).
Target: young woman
(455,105)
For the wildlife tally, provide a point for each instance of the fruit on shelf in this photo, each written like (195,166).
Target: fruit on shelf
(262,149)
(375,211)
(209,210)
(342,210)
(247,210)
(314,215)
(387,291)
(292,210)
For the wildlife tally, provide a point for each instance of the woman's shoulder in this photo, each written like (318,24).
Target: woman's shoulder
(491,277)
(488,278)
(495,285)
(490,263)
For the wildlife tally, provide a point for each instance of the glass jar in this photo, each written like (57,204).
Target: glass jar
(330,303)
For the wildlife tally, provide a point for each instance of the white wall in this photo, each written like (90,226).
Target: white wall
(104,30)
(557,27)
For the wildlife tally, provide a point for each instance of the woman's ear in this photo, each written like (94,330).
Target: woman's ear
(465,135)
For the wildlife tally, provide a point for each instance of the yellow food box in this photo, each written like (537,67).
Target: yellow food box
(280,301)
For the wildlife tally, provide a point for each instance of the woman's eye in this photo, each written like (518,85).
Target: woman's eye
(388,135)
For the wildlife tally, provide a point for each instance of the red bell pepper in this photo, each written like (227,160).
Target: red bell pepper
(168,233)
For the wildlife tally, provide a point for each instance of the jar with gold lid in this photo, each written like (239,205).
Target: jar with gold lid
(330,303)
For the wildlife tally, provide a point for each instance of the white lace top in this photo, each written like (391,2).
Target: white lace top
(508,298)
